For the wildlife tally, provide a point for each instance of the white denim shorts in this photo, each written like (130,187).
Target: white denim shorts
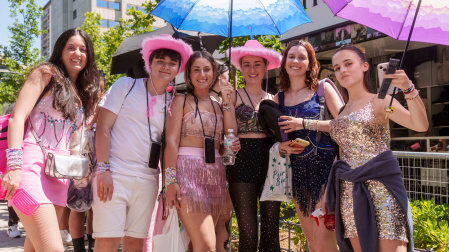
(130,209)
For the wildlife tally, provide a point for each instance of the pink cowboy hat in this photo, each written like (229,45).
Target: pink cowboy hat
(165,41)
(254,48)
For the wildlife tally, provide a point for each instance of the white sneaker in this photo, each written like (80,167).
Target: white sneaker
(66,237)
(13,232)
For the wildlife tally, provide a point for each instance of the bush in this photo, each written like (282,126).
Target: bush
(430,225)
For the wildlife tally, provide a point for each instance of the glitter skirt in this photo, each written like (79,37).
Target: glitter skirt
(202,185)
(391,221)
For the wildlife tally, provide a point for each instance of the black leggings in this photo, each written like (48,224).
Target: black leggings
(246,181)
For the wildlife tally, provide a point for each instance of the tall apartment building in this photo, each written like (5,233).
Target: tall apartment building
(67,14)
(45,25)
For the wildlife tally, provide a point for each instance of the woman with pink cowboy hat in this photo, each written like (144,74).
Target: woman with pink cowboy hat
(130,125)
(247,176)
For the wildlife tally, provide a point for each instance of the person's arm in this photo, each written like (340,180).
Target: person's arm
(105,122)
(28,96)
(228,96)
(415,118)
(172,139)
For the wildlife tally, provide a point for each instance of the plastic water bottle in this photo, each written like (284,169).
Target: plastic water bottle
(228,156)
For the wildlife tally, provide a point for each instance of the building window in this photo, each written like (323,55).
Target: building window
(108,23)
(74,14)
(129,6)
(112,23)
(108,4)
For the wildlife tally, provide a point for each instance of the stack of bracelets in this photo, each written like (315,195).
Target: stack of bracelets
(226,106)
(310,124)
(14,158)
(409,90)
(170,176)
(102,167)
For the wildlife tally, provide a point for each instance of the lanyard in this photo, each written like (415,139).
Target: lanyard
(198,110)
(148,118)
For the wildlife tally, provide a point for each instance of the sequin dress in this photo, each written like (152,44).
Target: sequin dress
(55,133)
(309,171)
(362,136)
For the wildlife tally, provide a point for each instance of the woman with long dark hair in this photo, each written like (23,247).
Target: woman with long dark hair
(300,102)
(366,187)
(56,97)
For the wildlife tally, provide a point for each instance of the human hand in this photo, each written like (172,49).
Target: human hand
(235,145)
(105,186)
(11,181)
(173,196)
(226,90)
(399,79)
(286,149)
(291,124)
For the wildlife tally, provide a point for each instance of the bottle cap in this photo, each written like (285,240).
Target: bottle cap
(230,131)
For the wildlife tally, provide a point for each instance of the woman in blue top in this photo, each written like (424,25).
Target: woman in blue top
(299,101)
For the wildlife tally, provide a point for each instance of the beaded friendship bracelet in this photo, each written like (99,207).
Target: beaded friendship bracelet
(226,106)
(170,176)
(409,89)
(14,158)
(414,97)
(103,167)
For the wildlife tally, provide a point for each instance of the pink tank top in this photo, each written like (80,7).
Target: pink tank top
(50,125)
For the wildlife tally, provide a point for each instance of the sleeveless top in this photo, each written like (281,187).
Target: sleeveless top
(51,127)
(246,117)
(191,124)
(360,135)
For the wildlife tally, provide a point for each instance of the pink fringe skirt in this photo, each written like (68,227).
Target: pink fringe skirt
(202,185)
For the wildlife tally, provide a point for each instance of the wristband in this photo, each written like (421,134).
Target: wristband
(226,106)
(102,167)
(414,97)
(409,89)
(303,126)
(170,176)
(14,158)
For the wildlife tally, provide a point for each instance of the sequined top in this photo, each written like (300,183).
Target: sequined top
(246,117)
(360,135)
(50,125)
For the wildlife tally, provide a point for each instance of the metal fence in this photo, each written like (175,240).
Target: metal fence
(425,175)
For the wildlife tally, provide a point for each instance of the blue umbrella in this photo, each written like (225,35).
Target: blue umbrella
(230,18)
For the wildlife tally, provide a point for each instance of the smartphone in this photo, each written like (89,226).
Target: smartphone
(386,68)
(209,150)
(298,142)
(155,154)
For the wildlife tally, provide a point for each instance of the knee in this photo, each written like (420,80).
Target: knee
(206,245)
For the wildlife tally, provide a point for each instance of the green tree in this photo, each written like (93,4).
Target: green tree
(106,43)
(20,56)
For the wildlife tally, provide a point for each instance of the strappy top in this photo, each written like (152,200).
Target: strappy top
(51,127)
(246,117)
(360,135)
(191,124)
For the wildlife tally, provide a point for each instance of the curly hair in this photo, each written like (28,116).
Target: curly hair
(67,96)
(196,55)
(311,73)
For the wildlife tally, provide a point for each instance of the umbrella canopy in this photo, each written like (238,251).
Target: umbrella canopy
(230,18)
(128,53)
(395,18)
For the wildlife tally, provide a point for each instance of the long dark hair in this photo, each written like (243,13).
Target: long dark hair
(311,74)
(196,55)
(86,89)
(366,75)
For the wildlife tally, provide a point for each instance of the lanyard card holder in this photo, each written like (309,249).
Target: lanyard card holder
(155,155)
(209,150)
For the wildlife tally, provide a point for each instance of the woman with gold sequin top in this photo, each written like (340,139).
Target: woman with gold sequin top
(365,186)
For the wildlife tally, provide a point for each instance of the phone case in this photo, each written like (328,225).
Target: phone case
(298,142)
(392,66)
(155,154)
(284,135)
(381,70)
(209,150)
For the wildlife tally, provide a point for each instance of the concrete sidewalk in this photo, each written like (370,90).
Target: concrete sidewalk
(12,244)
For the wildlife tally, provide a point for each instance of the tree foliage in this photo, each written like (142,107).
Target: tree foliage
(20,56)
(107,42)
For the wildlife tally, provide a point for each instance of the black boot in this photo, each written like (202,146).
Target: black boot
(78,245)
(91,241)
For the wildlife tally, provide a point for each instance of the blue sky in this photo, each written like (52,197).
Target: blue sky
(6,21)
